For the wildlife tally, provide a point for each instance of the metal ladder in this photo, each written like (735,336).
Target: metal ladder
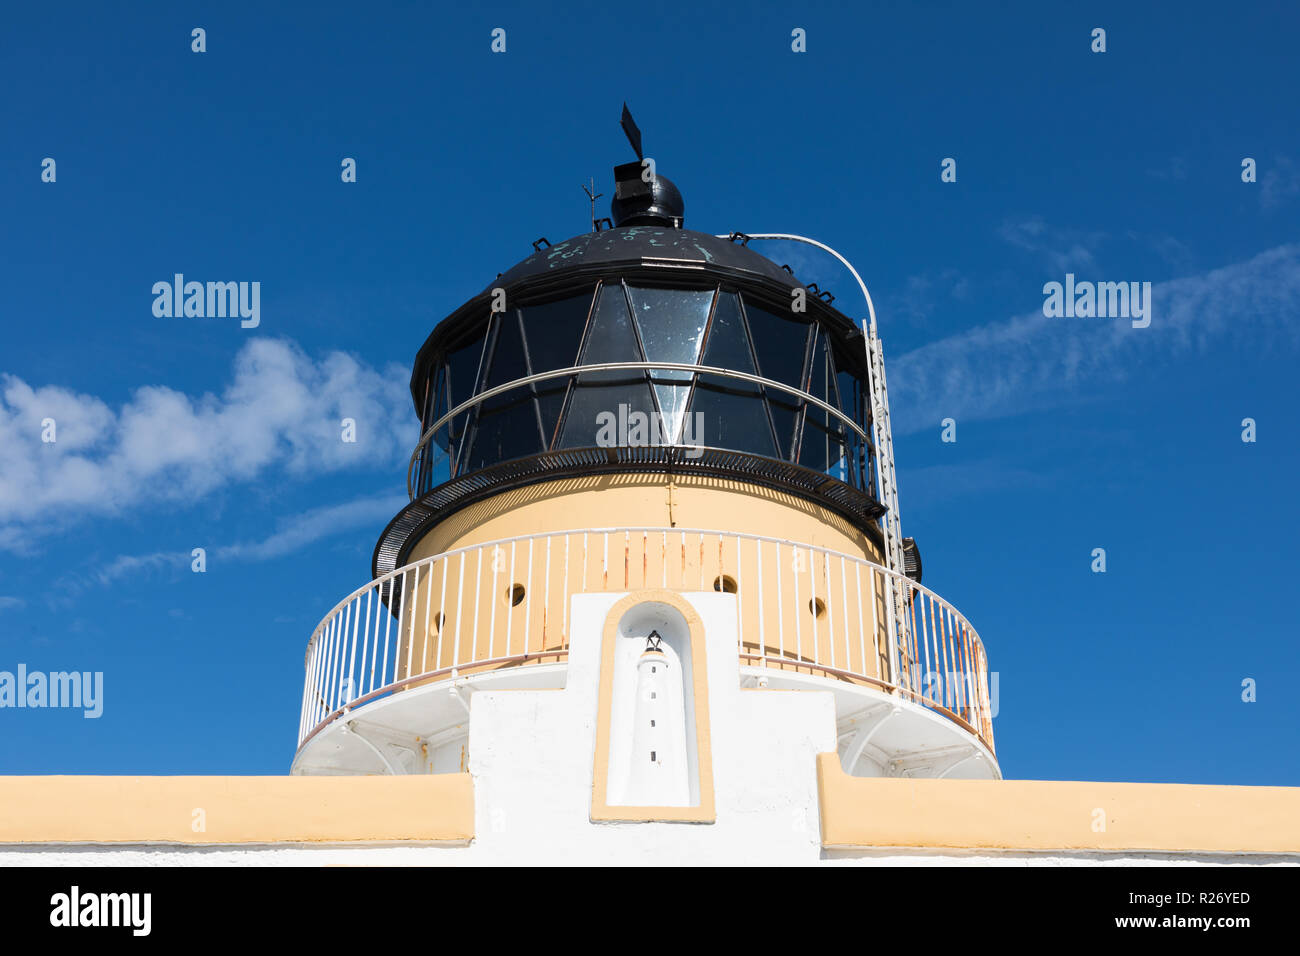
(883,436)
(887,480)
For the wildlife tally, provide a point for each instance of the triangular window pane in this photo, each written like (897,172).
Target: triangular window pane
(553,335)
(822,448)
(781,344)
(852,401)
(611,338)
(506,425)
(433,460)
(671,322)
(463,368)
(729,412)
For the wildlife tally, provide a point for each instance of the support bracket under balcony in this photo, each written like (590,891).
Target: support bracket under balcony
(868,724)
(354,728)
(938,762)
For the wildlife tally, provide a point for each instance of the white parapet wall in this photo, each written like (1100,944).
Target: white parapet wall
(533,757)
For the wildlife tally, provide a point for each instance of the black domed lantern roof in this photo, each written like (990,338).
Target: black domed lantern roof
(656,245)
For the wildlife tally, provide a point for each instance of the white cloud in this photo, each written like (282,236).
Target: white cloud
(1007,367)
(140,565)
(281,411)
(6,603)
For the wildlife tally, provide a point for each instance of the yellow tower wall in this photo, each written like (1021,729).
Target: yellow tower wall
(657,501)
(489,604)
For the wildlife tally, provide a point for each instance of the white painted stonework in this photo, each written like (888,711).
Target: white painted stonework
(533,754)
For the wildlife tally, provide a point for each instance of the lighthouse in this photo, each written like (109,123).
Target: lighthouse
(650,763)
(643,430)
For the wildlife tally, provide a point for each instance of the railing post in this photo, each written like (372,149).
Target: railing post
(758,600)
(460,588)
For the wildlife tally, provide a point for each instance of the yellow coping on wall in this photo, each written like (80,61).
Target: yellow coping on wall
(860,812)
(433,808)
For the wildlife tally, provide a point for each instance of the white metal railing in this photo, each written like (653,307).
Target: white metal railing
(413,466)
(505,604)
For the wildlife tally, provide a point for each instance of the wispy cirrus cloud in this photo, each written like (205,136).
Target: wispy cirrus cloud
(281,411)
(129,566)
(1007,367)
(1064,250)
(925,294)
(292,534)
(300,530)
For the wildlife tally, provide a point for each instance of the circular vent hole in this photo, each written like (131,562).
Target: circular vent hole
(438,620)
(515,594)
(817,606)
(725,583)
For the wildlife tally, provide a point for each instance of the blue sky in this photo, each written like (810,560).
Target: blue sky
(1072,434)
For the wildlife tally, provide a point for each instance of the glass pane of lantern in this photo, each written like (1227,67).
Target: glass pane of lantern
(610,339)
(553,335)
(438,404)
(433,460)
(671,322)
(463,367)
(506,425)
(781,343)
(461,376)
(852,399)
(822,447)
(728,412)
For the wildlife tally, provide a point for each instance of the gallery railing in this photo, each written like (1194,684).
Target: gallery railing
(801,611)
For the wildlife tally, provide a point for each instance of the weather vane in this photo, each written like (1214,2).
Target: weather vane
(632,131)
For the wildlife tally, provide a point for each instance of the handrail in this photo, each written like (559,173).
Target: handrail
(842,636)
(642,529)
(496,390)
